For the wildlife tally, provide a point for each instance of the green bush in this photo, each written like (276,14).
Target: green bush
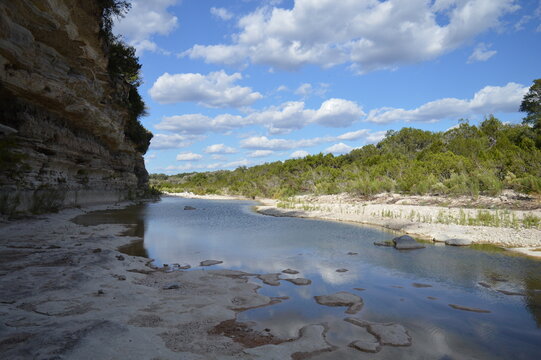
(123,65)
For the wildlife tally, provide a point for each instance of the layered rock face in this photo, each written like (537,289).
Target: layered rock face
(62,140)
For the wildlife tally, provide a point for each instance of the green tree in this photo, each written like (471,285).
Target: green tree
(111,9)
(531,105)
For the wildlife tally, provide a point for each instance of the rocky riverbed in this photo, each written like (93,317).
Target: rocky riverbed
(66,292)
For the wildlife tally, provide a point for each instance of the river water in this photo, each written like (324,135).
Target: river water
(412,288)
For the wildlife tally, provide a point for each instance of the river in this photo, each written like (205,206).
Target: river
(412,288)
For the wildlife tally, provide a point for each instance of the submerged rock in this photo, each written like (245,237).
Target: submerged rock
(189,208)
(342,270)
(466,308)
(352,253)
(270,279)
(300,281)
(506,292)
(458,242)
(290,271)
(419,285)
(366,346)
(383,243)
(210,262)
(342,298)
(406,242)
(387,333)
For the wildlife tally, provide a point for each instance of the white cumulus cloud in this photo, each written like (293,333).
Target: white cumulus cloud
(220,149)
(216,90)
(260,153)
(264,143)
(481,52)
(367,34)
(277,119)
(144,20)
(489,100)
(339,148)
(173,141)
(189,156)
(198,123)
(221,13)
(299,154)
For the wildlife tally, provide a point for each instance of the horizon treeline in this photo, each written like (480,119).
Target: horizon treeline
(465,160)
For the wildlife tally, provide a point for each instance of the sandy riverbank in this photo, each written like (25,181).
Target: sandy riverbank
(67,293)
(434,222)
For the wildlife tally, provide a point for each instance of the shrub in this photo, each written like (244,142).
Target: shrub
(124,65)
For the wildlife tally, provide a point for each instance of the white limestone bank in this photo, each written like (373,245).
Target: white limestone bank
(506,228)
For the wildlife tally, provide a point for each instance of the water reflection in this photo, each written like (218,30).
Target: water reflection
(231,232)
(133,216)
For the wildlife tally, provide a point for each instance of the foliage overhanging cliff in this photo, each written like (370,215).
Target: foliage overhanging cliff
(69,108)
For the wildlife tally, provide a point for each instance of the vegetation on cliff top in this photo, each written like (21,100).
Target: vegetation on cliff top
(465,160)
(124,65)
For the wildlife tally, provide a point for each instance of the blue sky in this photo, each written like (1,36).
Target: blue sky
(230,83)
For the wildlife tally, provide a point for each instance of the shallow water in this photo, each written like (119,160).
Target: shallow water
(230,231)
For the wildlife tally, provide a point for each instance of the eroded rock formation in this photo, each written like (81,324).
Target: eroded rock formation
(62,116)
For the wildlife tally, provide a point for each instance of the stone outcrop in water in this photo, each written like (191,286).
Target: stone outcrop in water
(342,298)
(458,242)
(210,262)
(406,242)
(63,118)
(270,279)
(300,281)
(386,333)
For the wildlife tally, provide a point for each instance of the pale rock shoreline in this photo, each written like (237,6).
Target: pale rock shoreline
(416,220)
(66,292)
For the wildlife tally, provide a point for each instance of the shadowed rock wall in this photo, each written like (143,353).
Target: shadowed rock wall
(62,122)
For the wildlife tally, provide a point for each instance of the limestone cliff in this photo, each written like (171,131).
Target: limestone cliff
(62,138)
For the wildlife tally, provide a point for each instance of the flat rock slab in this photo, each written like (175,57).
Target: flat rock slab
(511,293)
(342,298)
(387,333)
(342,270)
(466,308)
(290,271)
(366,346)
(171,286)
(177,267)
(210,262)
(300,281)
(270,279)
(406,242)
(419,285)
(458,242)
(383,243)
(311,341)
